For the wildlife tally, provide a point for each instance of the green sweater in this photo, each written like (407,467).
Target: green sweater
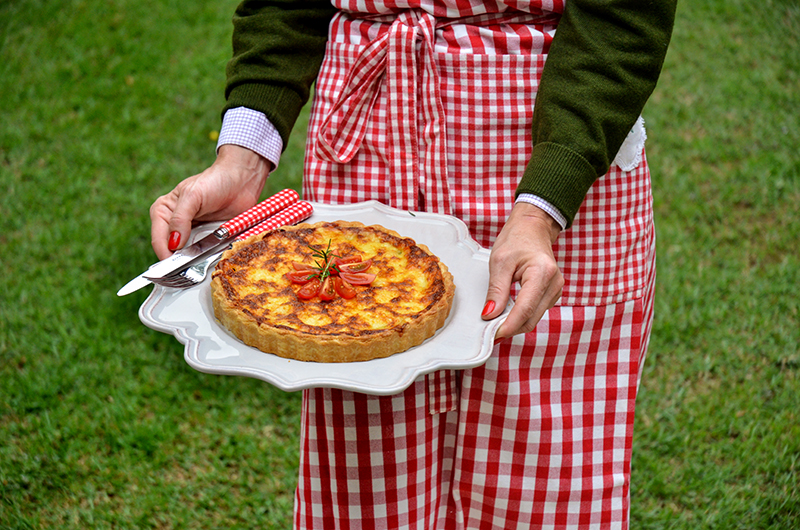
(602,66)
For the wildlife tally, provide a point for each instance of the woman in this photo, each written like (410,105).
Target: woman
(532,137)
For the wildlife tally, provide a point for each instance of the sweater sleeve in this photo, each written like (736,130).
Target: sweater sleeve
(277,51)
(603,65)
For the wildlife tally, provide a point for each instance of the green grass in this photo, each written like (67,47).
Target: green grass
(718,438)
(106,105)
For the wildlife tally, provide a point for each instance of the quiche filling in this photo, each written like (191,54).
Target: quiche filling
(407,299)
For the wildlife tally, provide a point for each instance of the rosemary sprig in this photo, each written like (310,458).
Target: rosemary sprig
(324,260)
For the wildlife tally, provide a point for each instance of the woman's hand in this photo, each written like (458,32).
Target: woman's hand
(231,185)
(523,252)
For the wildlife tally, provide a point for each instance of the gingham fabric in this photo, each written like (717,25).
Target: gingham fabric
(541,438)
(429,108)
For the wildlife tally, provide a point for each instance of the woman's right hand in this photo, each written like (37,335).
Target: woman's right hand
(230,186)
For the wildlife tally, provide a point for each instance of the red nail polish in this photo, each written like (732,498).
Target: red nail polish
(488,308)
(174,241)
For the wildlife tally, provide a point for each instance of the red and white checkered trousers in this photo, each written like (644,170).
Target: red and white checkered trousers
(540,436)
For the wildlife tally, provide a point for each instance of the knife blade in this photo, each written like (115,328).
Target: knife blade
(219,238)
(178,259)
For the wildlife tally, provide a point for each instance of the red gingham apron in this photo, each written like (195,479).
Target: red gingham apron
(428,106)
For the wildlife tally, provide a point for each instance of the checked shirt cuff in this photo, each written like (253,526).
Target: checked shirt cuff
(544,205)
(251,129)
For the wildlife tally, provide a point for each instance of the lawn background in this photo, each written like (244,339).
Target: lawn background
(105,105)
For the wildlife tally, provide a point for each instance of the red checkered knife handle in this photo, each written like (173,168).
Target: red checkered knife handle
(257,213)
(293,214)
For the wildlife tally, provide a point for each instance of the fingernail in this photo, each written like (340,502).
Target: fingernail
(488,308)
(174,241)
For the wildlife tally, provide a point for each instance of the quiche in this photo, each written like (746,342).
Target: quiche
(274,292)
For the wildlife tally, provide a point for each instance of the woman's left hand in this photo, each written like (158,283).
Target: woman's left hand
(523,252)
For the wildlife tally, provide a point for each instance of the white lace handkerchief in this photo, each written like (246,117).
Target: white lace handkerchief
(630,153)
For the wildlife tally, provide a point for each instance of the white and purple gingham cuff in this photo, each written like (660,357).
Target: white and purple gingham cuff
(544,205)
(251,129)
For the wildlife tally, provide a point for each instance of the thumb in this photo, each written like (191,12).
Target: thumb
(497,293)
(180,224)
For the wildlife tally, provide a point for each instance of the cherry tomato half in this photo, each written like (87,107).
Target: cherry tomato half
(309,290)
(354,268)
(301,277)
(327,291)
(302,266)
(342,287)
(360,278)
(347,259)
(332,268)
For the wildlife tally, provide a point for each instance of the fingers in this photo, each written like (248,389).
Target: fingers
(539,291)
(523,253)
(230,186)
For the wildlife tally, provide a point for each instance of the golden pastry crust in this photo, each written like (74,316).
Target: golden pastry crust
(409,300)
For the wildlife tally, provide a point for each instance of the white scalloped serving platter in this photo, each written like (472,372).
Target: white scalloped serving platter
(465,341)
